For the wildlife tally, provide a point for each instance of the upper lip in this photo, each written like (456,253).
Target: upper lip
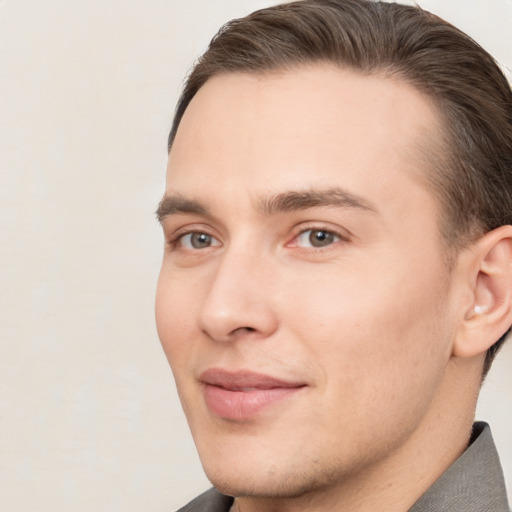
(243,380)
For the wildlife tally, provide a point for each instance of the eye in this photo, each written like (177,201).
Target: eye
(317,238)
(198,240)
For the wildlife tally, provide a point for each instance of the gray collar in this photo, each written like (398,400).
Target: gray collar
(473,483)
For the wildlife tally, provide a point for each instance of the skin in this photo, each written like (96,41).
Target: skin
(367,321)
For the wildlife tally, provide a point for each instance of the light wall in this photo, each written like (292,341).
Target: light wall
(89,417)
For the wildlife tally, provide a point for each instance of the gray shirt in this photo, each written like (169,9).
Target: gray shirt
(473,483)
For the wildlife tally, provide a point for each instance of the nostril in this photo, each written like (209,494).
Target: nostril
(244,329)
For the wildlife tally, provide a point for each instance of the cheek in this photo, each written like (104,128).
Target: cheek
(173,312)
(379,355)
(174,315)
(373,326)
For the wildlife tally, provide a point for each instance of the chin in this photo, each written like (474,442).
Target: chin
(252,486)
(269,479)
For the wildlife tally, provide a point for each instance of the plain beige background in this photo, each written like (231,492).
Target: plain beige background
(89,419)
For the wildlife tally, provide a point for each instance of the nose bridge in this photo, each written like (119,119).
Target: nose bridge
(239,298)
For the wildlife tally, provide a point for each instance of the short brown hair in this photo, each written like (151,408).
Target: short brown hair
(472,174)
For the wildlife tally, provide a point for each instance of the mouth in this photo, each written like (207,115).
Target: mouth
(243,395)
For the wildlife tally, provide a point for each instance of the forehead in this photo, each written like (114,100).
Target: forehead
(314,126)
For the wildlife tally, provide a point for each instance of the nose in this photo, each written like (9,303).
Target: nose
(239,302)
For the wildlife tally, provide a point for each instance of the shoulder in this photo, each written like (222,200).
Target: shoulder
(210,501)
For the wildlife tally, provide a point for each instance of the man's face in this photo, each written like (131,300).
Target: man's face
(304,302)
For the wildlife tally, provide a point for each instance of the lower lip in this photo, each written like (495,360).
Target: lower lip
(239,405)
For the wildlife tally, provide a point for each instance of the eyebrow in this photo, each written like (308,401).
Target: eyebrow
(302,200)
(176,205)
(284,202)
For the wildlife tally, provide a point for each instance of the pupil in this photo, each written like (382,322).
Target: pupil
(320,238)
(200,240)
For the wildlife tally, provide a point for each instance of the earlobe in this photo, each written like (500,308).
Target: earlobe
(489,314)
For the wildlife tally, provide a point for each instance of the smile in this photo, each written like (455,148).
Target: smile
(242,395)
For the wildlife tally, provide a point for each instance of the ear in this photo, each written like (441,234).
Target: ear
(488,313)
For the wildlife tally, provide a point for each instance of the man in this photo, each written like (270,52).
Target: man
(337,276)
